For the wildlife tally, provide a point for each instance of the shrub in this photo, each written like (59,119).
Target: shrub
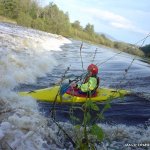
(24,19)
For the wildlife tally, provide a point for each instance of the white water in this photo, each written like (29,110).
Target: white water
(26,54)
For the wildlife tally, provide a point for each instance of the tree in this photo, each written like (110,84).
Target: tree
(38,24)
(57,20)
(77,25)
(24,19)
(89,28)
(1,7)
(10,8)
(146,50)
(24,6)
(34,10)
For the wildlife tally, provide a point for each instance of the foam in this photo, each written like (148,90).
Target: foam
(25,54)
(120,135)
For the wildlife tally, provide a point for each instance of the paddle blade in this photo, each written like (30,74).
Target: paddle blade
(64,88)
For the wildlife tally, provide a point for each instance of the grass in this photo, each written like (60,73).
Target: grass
(4,19)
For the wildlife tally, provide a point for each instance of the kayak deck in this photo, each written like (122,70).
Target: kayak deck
(49,95)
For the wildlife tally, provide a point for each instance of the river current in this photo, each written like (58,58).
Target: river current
(31,59)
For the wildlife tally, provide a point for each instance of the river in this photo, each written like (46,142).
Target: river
(31,59)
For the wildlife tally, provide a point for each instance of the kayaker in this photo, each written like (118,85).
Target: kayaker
(90,82)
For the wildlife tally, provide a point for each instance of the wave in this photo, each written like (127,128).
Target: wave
(25,54)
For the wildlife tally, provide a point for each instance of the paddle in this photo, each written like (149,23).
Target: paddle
(66,86)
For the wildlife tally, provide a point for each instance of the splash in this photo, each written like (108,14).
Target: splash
(25,54)
(125,137)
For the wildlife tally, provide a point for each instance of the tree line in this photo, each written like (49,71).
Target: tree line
(50,18)
(146,50)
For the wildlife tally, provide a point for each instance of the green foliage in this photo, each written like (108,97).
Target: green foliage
(146,50)
(131,49)
(89,28)
(87,118)
(1,8)
(24,6)
(52,19)
(90,133)
(107,106)
(73,118)
(10,8)
(34,10)
(57,21)
(100,116)
(24,19)
(97,131)
(38,24)
(76,25)
(91,105)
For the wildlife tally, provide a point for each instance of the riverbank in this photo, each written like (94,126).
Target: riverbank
(79,34)
(7,20)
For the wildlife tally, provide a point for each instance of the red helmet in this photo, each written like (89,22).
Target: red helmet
(93,68)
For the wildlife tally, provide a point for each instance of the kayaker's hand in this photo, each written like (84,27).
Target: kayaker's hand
(73,85)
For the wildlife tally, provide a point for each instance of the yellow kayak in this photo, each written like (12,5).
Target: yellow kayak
(50,95)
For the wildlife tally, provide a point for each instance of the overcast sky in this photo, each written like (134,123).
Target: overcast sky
(124,20)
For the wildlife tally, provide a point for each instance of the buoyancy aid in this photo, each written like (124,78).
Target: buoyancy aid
(91,83)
